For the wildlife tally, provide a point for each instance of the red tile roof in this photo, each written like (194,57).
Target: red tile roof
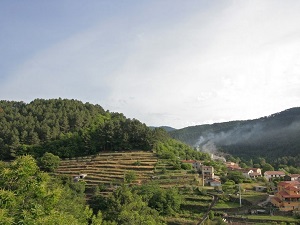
(289,183)
(277,199)
(286,195)
(291,188)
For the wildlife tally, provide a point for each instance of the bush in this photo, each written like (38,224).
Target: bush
(49,162)
(129,177)
(186,166)
(137,163)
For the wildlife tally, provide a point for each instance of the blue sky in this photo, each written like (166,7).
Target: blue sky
(176,63)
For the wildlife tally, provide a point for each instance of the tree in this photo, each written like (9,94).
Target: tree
(267,167)
(230,187)
(186,166)
(130,177)
(166,202)
(49,162)
(235,176)
(127,207)
(29,196)
(211,215)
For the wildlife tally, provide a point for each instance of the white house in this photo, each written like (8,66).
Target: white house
(292,177)
(269,175)
(256,170)
(247,172)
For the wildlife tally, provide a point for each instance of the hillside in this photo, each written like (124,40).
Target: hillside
(67,128)
(71,128)
(115,153)
(109,168)
(107,171)
(270,137)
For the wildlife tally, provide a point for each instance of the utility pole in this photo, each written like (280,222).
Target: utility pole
(240,195)
(202,177)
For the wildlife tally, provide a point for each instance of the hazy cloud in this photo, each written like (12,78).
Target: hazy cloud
(207,63)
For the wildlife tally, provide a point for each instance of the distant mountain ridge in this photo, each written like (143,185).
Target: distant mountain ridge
(166,128)
(273,136)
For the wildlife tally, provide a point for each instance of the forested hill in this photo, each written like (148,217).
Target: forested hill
(67,128)
(271,137)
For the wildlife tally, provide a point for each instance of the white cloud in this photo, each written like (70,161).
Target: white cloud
(235,61)
(233,66)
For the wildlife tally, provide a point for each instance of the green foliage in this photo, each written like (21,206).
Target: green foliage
(137,163)
(130,177)
(219,166)
(211,215)
(230,187)
(126,207)
(68,128)
(267,167)
(49,162)
(166,202)
(186,166)
(29,196)
(235,176)
(174,150)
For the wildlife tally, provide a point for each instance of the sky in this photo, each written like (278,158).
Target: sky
(164,62)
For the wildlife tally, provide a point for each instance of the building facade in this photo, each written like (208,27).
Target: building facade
(287,197)
(269,175)
(208,172)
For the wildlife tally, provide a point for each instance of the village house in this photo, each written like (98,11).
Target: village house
(256,173)
(292,177)
(269,175)
(246,172)
(207,172)
(231,166)
(195,164)
(251,173)
(260,188)
(287,197)
(256,170)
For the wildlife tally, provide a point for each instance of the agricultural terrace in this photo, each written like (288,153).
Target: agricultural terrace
(109,168)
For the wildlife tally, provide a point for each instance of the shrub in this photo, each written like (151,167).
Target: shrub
(186,166)
(137,163)
(49,162)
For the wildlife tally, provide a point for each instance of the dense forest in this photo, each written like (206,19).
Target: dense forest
(274,137)
(70,128)
(67,128)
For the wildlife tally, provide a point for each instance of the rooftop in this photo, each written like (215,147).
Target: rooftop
(274,173)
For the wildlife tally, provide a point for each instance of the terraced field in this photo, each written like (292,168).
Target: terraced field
(109,168)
